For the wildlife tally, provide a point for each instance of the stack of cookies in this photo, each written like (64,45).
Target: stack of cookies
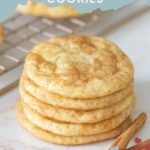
(76,90)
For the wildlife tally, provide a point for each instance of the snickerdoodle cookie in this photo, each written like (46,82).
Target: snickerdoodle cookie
(43,10)
(1,34)
(66,140)
(79,66)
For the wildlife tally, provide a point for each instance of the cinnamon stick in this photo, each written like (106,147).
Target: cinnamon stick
(123,140)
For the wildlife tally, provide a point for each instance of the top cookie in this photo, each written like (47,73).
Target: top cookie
(79,66)
(1,34)
(43,10)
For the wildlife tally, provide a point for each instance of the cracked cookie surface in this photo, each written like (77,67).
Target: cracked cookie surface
(79,66)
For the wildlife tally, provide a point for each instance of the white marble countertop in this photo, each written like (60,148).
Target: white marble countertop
(134,38)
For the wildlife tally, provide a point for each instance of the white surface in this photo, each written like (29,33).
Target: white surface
(134,39)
